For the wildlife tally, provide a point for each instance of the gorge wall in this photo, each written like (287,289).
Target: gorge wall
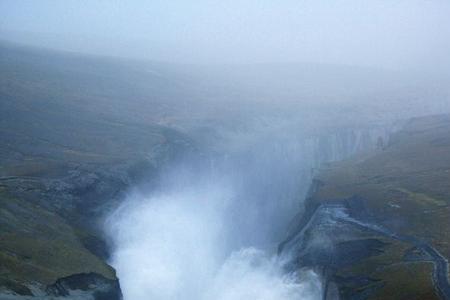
(215,220)
(376,223)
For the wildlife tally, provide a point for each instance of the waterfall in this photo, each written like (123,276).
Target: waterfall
(211,232)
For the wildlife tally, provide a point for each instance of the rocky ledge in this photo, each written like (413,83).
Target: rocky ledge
(376,226)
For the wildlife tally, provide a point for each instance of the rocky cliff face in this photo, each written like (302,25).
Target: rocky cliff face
(375,225)
(70,148)
(271,171)
(51,242)
(45,234)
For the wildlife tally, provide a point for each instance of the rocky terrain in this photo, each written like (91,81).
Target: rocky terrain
(64,162)
(377,225)
(77,132)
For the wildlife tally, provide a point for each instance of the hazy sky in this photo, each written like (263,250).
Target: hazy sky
(387,33)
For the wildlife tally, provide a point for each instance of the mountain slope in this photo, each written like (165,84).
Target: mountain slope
(70,148)
(78,131)
(390,210)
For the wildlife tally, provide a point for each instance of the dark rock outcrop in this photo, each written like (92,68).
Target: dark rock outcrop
(377,226)
(90,285)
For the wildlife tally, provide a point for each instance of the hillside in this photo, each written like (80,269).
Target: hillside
(390,210)
(70,148)
(78,131)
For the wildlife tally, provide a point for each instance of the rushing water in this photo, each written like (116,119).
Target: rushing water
(174,246)
(210,233)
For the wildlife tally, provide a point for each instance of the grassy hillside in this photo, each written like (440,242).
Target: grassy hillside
(77,130)
(404,187)
(38,246)
(73,137)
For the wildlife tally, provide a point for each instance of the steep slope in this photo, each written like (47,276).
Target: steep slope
(70,147)
(77,131)
(378,224)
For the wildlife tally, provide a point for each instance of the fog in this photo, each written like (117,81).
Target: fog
(291,85)
(210,229)
(388,34)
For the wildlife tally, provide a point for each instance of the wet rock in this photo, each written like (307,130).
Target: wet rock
(91,285)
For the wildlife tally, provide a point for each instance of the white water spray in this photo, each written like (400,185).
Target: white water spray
(173,246)
(212,234)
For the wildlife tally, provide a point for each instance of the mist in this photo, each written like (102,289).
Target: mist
(384,34)
(226,110)
(210,226)
(210,229)
(169,248)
